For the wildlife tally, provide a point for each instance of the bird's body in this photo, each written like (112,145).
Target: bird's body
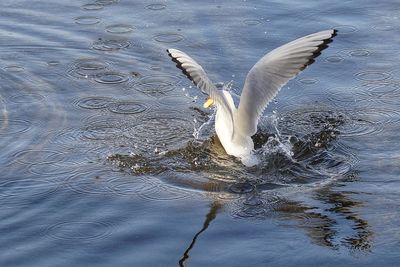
(235,125)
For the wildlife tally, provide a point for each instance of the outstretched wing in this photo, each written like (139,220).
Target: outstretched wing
(197,75)
(273,71)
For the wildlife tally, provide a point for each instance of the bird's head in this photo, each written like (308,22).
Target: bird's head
(209,102)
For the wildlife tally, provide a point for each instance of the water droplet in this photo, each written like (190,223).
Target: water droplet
(111,77)
(168,38)
(87,20)
(119,28)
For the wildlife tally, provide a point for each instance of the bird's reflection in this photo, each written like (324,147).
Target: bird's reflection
(211,215)
(326,224)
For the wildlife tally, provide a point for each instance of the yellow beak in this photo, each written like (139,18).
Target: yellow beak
(208,103)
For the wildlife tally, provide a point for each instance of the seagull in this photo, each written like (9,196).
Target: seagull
(235,125)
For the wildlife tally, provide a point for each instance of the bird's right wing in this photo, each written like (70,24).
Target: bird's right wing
(273,71)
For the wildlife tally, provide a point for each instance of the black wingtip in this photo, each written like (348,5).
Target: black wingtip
(323,46)
(179,66)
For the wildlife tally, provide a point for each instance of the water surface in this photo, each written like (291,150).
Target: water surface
(108,158)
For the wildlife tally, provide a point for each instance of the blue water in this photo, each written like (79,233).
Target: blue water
(108,158)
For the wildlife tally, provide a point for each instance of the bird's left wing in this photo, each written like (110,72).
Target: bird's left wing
(273,71)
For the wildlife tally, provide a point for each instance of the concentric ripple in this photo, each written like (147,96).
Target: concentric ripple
(30,156)
(14,68)
(164,128)
(128,107)
(110,45)
(119,28)
(10,127)
(92,182)
(334,59)
(251,22)
(342,123)
(156,7)
(359,127)
(27,98)
(20,191)
(343,97)
(106,2)
(88,68)
(379,115)
(384,27)
(92,7)
(372,75)
(87,20)
(241,188)
(67,137)
(103,130)
(384,92)
(308,81)
(168,38)
(161,192)
(94,102)
(111,77)
(345,29)
(304,121)
(157,85)
(359,53)
(79,231)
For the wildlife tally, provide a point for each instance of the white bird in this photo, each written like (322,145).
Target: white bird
(235,126)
